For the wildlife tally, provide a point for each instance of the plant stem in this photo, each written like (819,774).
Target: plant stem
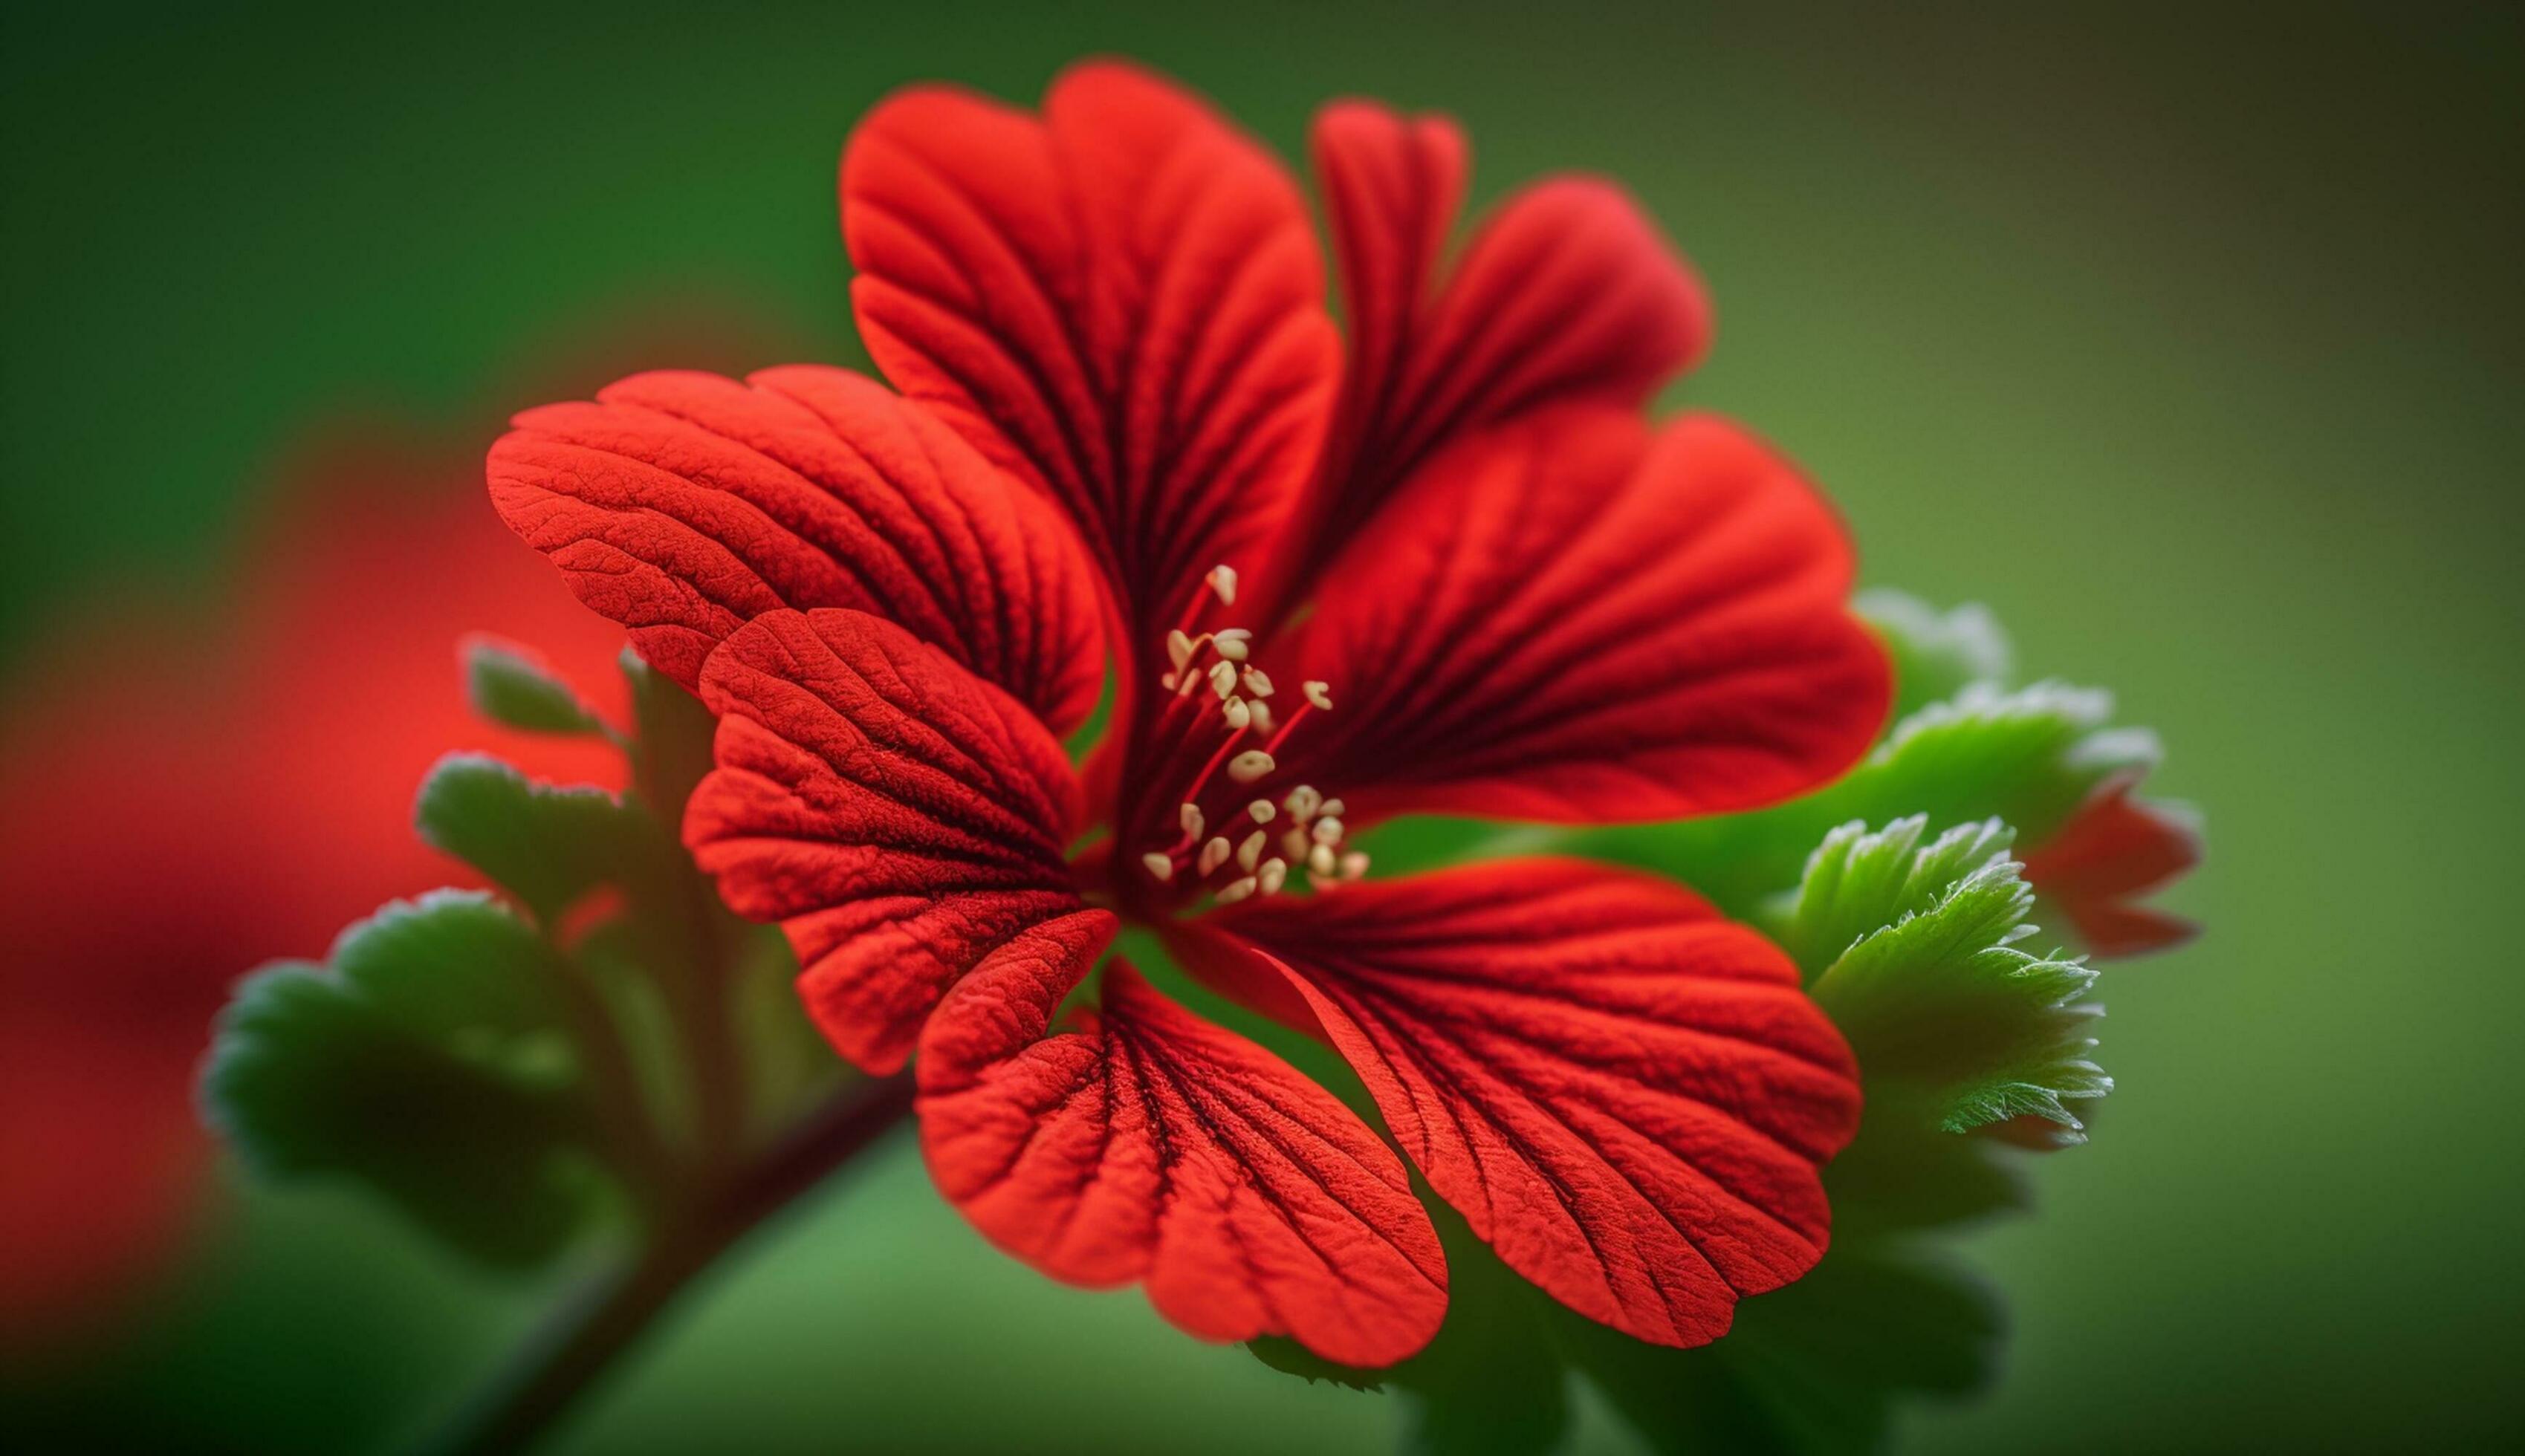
(585,1341)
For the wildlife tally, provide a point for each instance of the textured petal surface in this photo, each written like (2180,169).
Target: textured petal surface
(898,816)
(683,505)
(1625,1096)
(1150,1144)
(1567,291)
(2114,850)
(1121,300)
(1574,618)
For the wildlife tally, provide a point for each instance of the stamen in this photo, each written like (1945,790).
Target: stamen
(1290,726)
(1308,826)
(1223,580)
(1186,676)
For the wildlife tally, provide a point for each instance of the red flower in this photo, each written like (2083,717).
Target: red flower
(2114,850)
(1481,583)
(184,805)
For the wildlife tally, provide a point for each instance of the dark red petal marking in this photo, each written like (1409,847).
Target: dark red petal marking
(1568,291)
(2113,851)
(898,816)
(1573,618)
(1626,1095)
(1150,1144)
(1120,301)
(683,505)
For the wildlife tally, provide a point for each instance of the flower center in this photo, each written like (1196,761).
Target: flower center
(1238,834)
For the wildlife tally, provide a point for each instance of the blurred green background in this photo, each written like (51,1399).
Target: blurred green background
(2191,340)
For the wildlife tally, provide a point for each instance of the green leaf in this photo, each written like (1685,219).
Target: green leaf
(1857,882)
(547,845)
(1815,1369)
(512,685)
(429,1060)
(1812,1368)
(672,734)
(2028,757)
(1903,1173)
(1493,1381)
(1936,654)
(1289,1357)
(1941,1003)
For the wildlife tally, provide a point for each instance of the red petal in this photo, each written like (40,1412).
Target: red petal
(1151,1144)
(1122,301)
(681,504)
(1567,292)
(1570,618)
(1625,1096)
(2115,850)
(900,817)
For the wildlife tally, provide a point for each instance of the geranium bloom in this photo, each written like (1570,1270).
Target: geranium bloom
(1442,566)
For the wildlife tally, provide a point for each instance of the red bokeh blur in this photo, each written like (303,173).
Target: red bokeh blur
(187,798)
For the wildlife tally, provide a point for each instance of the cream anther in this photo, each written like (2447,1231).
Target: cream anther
(1223,678)
(1189,817)
(1178,648)
(1333,808)
(1261,811)
(1250,852)
(1273,875)
(1161,866)
(1327,830)
(1320,859)
(1238,716)
(1303,801)
(1258,683)
(1236,889)
(1354,864)
(1249,765)
(1214,853)
(1223,580)
(1321,695)
(1262,711)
